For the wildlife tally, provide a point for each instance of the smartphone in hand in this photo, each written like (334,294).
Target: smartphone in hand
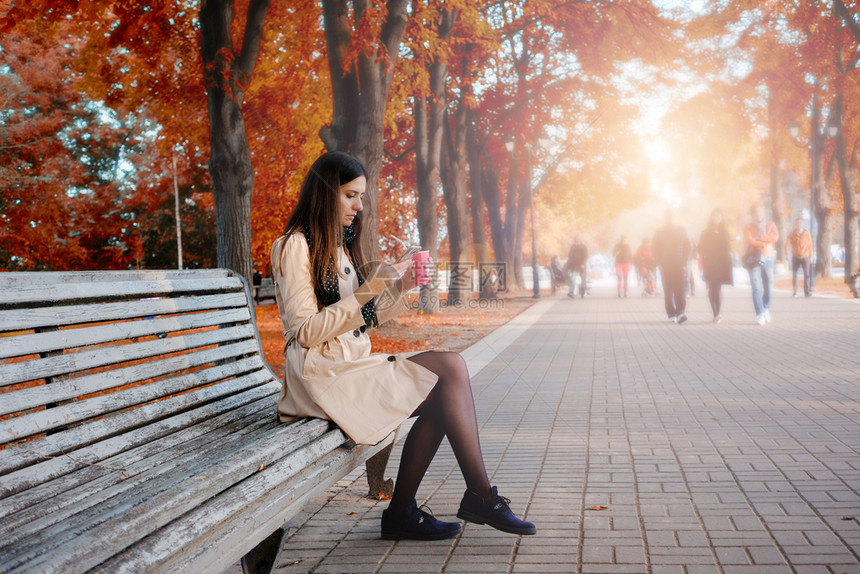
(409,253)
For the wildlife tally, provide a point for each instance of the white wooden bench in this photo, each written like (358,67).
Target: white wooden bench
(138,427)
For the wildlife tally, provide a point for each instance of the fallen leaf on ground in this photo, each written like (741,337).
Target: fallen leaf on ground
(597,507)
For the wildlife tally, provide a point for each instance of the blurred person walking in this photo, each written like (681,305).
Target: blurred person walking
(643,259)
(672,252)
(577,263)
(715,249)
(800,242)
(623,256)
(558,275)
(760,235)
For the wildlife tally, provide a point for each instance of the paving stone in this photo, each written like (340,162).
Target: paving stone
(715,448)
(600,568)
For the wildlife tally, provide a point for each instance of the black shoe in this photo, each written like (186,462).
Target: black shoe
(494,512)
(416,524)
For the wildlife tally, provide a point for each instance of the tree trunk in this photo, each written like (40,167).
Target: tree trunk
(476,184)
(777,206)
(823,238)
(426,175)
(777,200)
(849,200)
(490,190)
(847,184)
(453,171)
(360,95)
(226,76)
(823,212)
(518,188)
(428,147)
(523,205)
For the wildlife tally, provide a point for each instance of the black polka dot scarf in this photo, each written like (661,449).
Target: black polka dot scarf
(331,289)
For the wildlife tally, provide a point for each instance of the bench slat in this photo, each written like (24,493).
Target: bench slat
(28,453)
(85,487)
(93,542)
(32,343)
(142,473)
(40,421)
(21,279)
(26,484)
(15,320)
(260,504)
(100,357)
(72,388)
(41,295)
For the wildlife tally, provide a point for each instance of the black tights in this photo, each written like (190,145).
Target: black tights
(715,296)
(449,410)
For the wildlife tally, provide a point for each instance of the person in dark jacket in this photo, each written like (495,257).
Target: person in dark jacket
(715,249)
(800,242)
(577,263)
(672,252)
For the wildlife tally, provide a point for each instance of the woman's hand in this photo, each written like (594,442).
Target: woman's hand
(407,280)
(397,277)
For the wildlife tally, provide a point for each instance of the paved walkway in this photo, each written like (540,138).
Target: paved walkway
(637,445)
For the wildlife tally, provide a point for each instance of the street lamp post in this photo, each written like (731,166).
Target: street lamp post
(812,144)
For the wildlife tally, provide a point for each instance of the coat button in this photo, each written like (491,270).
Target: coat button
(356,332)
(347,270)
(391,357)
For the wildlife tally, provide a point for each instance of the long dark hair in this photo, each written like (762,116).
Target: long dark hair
(318,207)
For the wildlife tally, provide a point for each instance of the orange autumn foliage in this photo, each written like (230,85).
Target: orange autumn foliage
(101,95)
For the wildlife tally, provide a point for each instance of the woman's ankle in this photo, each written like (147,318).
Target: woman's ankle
(484,493)
(398,506)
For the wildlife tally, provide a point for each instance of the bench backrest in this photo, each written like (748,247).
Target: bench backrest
(88,357)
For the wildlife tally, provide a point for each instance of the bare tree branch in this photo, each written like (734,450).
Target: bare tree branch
(844,14)
(253,37)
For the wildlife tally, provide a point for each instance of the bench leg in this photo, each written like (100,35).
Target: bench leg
(375,465)
(263,558)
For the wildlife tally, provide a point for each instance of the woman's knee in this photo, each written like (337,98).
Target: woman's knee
(450,367)
(454,366)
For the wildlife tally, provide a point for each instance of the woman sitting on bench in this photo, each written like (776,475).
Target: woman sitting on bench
(328,295)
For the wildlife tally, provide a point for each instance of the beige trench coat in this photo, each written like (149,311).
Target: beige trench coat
(330,372)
